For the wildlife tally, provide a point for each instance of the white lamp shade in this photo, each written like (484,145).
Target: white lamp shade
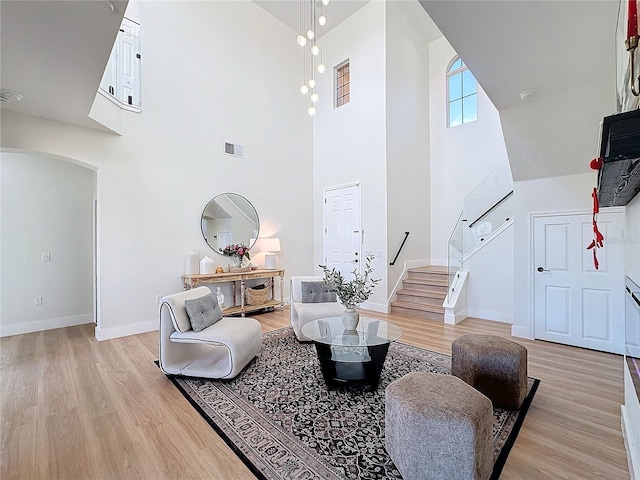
(270,244)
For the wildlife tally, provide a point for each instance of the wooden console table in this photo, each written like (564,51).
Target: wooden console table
(240,278)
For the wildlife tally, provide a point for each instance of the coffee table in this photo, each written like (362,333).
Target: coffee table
(351,356)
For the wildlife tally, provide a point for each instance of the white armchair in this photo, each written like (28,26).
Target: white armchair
(221,350)
(310,304)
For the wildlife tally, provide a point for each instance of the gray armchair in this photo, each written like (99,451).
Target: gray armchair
(221,350)
(309,301)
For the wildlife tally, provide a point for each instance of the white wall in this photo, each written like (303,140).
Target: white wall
(350,141)
(462,156)
(46,206)
(490,281)
(569,193)
(200,89)
(407,138)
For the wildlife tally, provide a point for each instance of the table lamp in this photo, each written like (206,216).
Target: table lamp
(268,246)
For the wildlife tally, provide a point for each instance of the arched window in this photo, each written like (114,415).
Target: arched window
(461,94)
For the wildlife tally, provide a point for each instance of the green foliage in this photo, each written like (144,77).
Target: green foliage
(351,293)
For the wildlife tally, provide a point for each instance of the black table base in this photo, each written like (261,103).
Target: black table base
(337,373)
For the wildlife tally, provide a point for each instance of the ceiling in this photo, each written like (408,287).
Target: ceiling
(37,37)
(288,11)
(513,46)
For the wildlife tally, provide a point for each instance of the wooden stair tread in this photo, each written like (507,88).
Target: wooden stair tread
(422,281)
(422,293)
(418,306)
(430,269)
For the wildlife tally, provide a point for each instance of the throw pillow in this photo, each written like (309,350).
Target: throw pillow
(203,311)
(316,292)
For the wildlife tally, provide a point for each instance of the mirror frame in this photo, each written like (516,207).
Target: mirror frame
(249,243)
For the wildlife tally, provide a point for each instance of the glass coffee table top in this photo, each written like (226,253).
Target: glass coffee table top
(369,332)
(351,356)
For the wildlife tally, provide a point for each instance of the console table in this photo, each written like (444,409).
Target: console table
(240,278)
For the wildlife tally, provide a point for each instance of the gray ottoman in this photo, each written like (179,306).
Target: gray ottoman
(495,366)
(439,428)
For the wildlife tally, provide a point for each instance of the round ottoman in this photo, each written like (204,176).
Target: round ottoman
(438,427)
(493,365)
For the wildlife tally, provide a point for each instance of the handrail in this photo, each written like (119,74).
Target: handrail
(490,209)
(406,234)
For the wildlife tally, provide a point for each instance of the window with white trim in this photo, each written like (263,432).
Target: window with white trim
(121,79)
(342,84)
(462,94)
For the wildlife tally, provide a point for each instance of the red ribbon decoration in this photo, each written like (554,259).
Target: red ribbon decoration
(598,240)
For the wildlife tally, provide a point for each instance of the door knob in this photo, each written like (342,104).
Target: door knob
(540,269)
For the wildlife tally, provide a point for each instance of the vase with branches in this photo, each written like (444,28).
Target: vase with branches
(351,293)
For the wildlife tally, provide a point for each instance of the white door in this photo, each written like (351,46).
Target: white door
(575,304)
(342,229)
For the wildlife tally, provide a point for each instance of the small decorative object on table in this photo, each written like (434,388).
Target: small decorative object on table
(238,252)
(350,293)
(220,297)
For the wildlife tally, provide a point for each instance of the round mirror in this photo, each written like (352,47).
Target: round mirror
(228,219)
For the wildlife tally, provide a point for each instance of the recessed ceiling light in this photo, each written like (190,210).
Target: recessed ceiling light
(527,94)
(9,96)
(107,6)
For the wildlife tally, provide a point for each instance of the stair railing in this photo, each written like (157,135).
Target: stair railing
(406,235)
(485,209)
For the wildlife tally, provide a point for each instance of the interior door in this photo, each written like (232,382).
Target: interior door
(575,304)
(342,229)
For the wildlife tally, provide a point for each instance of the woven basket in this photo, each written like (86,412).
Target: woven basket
(256,296)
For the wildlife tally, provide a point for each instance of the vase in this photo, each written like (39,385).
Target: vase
(350,318)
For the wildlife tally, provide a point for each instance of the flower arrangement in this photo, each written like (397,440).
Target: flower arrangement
(350,293)
(238,251)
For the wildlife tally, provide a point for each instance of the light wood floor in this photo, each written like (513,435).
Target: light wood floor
(75,408)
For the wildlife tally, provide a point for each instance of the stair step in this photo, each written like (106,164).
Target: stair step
(425,285)
(418,306)
(431,269)
(435,277)
(421,296)
(411,312)
(423,292)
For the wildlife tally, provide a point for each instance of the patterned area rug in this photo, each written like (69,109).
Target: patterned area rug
(284,423)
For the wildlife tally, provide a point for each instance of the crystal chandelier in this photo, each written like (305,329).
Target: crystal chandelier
(312,21)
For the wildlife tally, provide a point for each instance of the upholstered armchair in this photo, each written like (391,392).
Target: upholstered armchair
(220,350)
(311,301)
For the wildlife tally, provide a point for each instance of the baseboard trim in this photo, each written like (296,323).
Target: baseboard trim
(47,324)
(126,330)
(439,262)
(452,318)
(521,332)
(416,263)
(503,317)
(633,453)
(376,307)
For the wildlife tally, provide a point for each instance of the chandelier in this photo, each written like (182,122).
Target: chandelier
(312,21)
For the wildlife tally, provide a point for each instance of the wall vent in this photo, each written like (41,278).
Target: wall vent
(234,149)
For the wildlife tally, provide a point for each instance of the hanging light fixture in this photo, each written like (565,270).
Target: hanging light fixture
(312,21)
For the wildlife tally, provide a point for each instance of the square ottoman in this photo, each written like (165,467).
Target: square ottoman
(439,428)
(495,366)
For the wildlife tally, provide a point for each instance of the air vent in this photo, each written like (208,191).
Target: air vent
(234,149)
(9,96)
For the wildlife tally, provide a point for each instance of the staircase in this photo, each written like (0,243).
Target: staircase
(422,293)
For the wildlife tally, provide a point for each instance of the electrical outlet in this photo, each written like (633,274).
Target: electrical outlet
(46,257)
(37,301)
(158,298)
